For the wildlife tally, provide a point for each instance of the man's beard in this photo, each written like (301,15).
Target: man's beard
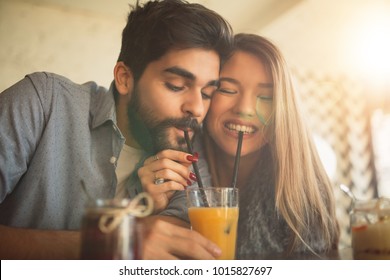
(153,135)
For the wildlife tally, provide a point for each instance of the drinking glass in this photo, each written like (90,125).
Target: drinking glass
(213,212)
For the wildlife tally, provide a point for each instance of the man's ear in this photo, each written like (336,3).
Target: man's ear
(124,80)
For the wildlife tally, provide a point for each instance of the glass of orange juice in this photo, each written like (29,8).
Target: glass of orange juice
(213,212)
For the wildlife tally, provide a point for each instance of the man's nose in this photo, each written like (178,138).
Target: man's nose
(193,104)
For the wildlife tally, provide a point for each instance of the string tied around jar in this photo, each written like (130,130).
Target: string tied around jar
(137,208)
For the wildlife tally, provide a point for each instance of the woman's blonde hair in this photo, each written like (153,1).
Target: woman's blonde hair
(303,191)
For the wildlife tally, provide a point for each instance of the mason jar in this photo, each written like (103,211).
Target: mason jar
(370,229)
(105,235)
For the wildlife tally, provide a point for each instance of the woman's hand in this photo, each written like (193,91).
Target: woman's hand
(164,173)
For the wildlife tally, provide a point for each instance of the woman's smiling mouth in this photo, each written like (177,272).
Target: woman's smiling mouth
(247,129)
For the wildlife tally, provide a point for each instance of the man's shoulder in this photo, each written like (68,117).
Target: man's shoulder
(44,76)
(52,80)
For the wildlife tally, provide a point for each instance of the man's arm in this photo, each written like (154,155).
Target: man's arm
(29,244)
(22,122)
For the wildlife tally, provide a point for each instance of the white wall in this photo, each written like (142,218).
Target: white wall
(80,45)
(341,38)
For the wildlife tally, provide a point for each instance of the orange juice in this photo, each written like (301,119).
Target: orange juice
(218,224)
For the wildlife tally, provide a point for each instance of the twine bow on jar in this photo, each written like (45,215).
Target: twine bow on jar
(113,217)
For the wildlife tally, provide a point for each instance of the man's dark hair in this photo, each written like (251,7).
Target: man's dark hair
(159,26)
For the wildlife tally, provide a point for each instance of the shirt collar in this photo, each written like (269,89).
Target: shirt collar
(102,108)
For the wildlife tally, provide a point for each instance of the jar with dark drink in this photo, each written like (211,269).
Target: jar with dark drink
(108,231)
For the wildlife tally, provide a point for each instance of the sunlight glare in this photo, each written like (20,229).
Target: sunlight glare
(370,46)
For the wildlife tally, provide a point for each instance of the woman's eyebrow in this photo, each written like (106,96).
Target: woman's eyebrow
(230,80)
(234,81)
(266,85)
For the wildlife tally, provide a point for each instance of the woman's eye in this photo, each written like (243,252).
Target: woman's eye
(227,91)
(265,98)
(173,87)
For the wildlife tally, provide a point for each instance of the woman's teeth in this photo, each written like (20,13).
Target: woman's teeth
(238,127)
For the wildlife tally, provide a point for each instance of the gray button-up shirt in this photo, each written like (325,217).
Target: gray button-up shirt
(53,134)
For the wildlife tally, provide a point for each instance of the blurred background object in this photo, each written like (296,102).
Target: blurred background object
(337,50)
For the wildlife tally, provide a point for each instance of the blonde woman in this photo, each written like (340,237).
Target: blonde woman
(286,198)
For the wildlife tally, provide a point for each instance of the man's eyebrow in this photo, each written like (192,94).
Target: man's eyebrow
(188,75)
(180,72)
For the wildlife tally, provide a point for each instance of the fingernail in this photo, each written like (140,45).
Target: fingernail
(189,183)
(196,156)
(192,158)
(193,176)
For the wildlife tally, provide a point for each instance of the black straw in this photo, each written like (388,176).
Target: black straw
(237,160)
(196,169)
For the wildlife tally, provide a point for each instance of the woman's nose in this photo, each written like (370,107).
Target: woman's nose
(245,106)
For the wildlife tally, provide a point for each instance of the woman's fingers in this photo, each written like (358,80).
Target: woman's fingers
(177,156)
(164,173)
(170,175)
(161,194)
(168,168)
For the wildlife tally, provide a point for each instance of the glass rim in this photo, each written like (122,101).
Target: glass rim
(374,204)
